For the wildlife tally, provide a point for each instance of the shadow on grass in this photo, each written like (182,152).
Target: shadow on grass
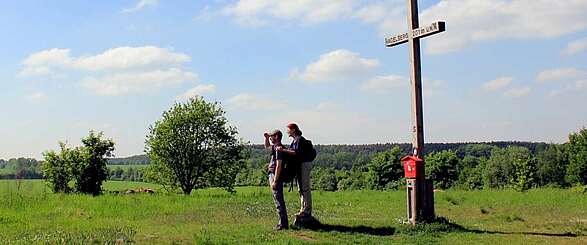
(444,225)
(316,225)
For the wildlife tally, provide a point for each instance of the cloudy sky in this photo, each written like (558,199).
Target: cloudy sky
(503,70)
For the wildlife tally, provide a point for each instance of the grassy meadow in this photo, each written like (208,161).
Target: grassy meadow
(30,213)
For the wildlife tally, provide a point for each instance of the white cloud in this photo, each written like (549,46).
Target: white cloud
(496,84)
(116,71)
(384,84)
(575,47)
(121,58)
(141,5)
(249,101)
(517,92)
(337,65)
(559,74)
(35,96)
(468,21)
(198,90)
(475,21)
(44,63)
(581,84)
(471,21)
(260,12)
(130,57)
(377,12)
(35,71)
(134,82)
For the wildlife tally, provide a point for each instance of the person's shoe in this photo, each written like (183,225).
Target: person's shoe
(306,221)
(279,227)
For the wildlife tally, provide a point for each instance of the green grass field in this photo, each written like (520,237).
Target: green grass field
(29,213)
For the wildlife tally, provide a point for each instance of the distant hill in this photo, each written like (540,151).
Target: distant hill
(132,160)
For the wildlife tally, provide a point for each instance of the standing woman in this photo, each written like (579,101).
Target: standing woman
(275,168)
(304,185)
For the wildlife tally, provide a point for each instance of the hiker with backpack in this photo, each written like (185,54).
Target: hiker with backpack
(276,176)
(302,153)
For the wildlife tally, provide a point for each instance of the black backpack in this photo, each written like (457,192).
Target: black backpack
(307,151)
(290,170)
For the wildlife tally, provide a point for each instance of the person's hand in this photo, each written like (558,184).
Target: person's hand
(279,148)
(274,186)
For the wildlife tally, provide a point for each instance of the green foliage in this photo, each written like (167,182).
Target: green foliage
(385,168)
(471,172)
(89,167)
(524,172)
(577,153)
(126,172)
(581,189)
(476,150)
(160,174)
(551,164)
(193,147)
(85,165)
(513,166)
(354,179)
(324,179)
(498,169)
(57,168)
(441,167)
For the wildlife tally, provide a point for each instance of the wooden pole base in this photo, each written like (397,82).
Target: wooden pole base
(420,200)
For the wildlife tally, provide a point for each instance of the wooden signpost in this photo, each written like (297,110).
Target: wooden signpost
(420,196)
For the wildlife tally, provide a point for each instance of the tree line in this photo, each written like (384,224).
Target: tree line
(377,166)
(470,166)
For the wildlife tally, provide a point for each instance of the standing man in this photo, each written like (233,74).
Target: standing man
(275,168)
(304,185)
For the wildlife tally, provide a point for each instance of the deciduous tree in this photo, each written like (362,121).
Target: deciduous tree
(194,146)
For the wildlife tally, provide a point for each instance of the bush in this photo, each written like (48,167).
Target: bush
(577,168)
(57,168)
(90,169)
(386,167)
(324,179)
(441,167)
(85,165)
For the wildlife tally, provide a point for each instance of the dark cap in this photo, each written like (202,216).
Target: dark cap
(275,132)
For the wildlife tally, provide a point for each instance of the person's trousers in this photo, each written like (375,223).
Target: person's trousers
(305,189)
(279,201)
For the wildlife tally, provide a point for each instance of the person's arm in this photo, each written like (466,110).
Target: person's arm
(278,167)
(285,150)
(267,143)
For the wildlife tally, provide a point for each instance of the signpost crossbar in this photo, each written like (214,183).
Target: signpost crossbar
(423,32)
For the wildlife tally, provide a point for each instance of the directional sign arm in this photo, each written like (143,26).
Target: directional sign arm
(422,32)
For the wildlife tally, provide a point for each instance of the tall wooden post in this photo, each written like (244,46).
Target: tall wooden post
(416,81)
(420,195)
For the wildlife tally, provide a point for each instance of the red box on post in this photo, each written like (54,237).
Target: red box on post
(413,167)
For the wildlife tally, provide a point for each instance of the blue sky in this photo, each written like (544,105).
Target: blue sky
(503,70)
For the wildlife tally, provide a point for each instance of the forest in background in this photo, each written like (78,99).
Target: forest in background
(344,167)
